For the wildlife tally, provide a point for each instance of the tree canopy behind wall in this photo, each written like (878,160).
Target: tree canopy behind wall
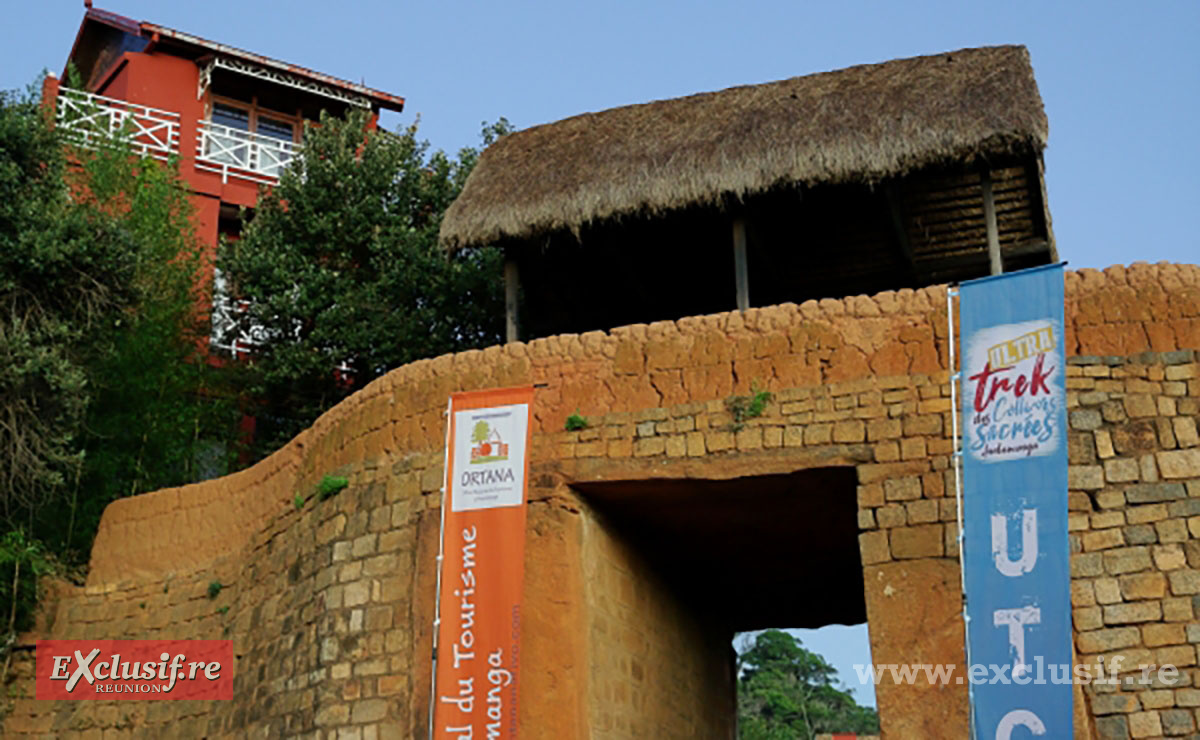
(342,277)
(788,693)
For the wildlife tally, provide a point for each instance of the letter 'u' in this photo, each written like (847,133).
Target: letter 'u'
(1029,544)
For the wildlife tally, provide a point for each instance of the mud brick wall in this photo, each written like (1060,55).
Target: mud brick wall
(1135,523)
(330,607)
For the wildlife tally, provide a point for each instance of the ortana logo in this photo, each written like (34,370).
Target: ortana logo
(487,445)
(134,669)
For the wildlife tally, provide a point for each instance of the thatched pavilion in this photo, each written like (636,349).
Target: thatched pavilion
(877,177)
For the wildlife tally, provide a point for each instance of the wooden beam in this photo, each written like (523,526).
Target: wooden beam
(993,231)
(740,275)
(512,287)
(1041,179)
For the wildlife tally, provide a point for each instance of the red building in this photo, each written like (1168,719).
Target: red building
(234,119)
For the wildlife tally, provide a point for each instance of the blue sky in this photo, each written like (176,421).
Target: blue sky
(1121,82)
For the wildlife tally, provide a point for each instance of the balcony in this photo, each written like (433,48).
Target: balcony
(231,152)
(89,119)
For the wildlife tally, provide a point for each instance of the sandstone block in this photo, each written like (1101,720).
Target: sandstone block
(1138,611)
(1085,477)
(1087,618)
(923,541)
(892,515)
(1157,635)
(1103,539)
(1177,722)
(1143,586)
(1145,724)
(1185,431)
(873,547)
(1169,557)
(1144,514)
(1126,560)
(1184,582)
(1175,464)
(1150,493)
(1121,470)
(1103,704)
(902,489)
(1108,590)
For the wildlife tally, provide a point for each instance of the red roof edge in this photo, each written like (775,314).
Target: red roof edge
(385,100)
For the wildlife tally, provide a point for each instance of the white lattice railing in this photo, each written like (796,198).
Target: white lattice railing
(234,153)
(90,119)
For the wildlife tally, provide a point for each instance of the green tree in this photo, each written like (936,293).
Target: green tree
(100,393)
(480,432)
(340,267)
(788,693)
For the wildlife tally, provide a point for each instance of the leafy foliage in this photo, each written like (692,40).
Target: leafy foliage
(340,264)
(788,693)
(576,422)
(330,485)
(101,395)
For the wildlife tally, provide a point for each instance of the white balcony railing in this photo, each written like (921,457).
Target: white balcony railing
(231,152)
(91,119)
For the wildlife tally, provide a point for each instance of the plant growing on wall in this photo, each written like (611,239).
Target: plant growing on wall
(747,407)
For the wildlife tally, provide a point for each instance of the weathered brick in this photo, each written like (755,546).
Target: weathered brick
(1082,593)
(1178,609)
(1144,514)
(1143,586)
(1121,470)
(1126,560)
(1171,531)
(923,541)
(1144,724)
(1157,635)
(1085,477)
(923,511)
(1102,539)
(1151,493)
(1138,611)
(1112,727)
(1108,590)
(1134,438)
(1177,722)
(1081,447)
(1185,431)
(1169,557)
(873,547)
(902,489)
(1140,405)
(1140,534)
(1174,464)
(1106,519)
(870,495)
(1103,704)
(1087,618)
(848,432)
(892,515)
(1184,582)
(1085,419)
(1085,565)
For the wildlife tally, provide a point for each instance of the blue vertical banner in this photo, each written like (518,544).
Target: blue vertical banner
(1015,550)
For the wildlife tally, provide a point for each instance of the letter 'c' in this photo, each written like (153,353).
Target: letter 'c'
(1019,718)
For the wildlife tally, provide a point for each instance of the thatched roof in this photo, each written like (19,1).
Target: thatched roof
(861,124)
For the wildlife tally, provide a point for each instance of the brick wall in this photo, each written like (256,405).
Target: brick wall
(330,607)
(657,668)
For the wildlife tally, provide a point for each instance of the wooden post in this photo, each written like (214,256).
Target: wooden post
(740,275)
(897,213)
(512,286)
(993,231)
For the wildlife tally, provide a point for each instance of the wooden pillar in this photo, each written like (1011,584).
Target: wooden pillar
(512,287)
(740,275)
(993,231)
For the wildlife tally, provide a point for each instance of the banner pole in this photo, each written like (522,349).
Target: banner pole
(437,599)
(956,458)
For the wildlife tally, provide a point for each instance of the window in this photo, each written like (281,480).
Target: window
(247,136)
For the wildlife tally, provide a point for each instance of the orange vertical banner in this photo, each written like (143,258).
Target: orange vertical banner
(483,564)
